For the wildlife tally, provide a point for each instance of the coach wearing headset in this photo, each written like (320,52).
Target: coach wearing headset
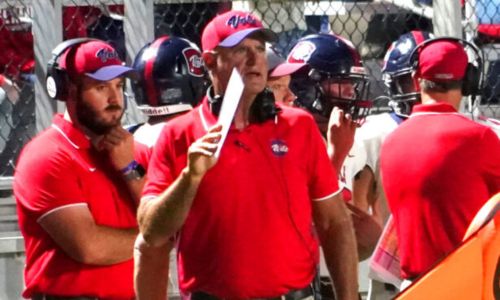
(76,183)
(438,167)
(243,222)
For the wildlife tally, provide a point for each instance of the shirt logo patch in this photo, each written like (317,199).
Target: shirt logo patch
(279,147)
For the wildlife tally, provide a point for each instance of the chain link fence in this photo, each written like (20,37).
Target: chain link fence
(29,30)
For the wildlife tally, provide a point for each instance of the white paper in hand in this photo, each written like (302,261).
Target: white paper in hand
(229,105)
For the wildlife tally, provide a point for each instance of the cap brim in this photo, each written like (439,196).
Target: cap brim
(274,62)
(112,72)
(235,38)
(286,69)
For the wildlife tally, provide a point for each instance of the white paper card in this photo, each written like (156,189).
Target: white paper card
(229,105)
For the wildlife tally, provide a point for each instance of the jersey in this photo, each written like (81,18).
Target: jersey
(147,135)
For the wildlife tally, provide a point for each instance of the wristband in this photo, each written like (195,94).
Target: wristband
(131,166)
(134,171)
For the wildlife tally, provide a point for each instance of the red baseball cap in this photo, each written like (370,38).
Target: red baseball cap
(442,61)
(97,60)
(230,28)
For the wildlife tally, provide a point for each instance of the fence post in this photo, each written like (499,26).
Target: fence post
(447,18)
(47,14)
(136,36)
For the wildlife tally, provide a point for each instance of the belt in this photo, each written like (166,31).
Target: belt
(291,295)
(52,297)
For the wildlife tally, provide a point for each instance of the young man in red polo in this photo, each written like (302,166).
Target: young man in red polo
(243,222)
(77,183)
(438,167)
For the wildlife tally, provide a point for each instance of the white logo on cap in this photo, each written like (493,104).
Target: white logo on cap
(443,76)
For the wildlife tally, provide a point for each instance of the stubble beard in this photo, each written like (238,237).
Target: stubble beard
(89,117)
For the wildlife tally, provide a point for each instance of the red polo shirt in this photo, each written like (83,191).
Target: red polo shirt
(59,168)
(249,232)
(438,169)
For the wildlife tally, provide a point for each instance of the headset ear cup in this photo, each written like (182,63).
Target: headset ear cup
(56,84)
(264,107)
(470,84)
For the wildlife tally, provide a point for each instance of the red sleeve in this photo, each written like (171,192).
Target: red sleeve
(160,168)
(490,160)
(54,183)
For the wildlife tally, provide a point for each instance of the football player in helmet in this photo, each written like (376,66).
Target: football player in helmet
(331,83)
(334,76)
(171,81)
(396,72)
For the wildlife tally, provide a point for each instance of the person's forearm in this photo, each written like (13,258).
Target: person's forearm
(108,246)
(163,216)
(339,246)
(151,270)
(337,159)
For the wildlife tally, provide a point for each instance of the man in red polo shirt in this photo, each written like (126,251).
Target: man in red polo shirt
(76,184)
(243,222)
(438,167)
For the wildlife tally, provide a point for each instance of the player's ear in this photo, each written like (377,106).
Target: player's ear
(210,60)
(416,80)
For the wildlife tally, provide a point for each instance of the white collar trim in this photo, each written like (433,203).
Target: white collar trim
(65,136)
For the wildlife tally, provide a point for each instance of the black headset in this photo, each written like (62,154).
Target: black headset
(56,81)
(473,78)
(263,107)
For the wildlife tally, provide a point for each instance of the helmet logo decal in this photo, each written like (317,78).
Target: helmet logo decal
(194,62)
(405,47)
(302,52)
(279,147)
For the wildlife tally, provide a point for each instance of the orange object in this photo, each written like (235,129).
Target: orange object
(470,272)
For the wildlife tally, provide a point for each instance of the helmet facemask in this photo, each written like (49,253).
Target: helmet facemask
(348,92)
(402,90)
